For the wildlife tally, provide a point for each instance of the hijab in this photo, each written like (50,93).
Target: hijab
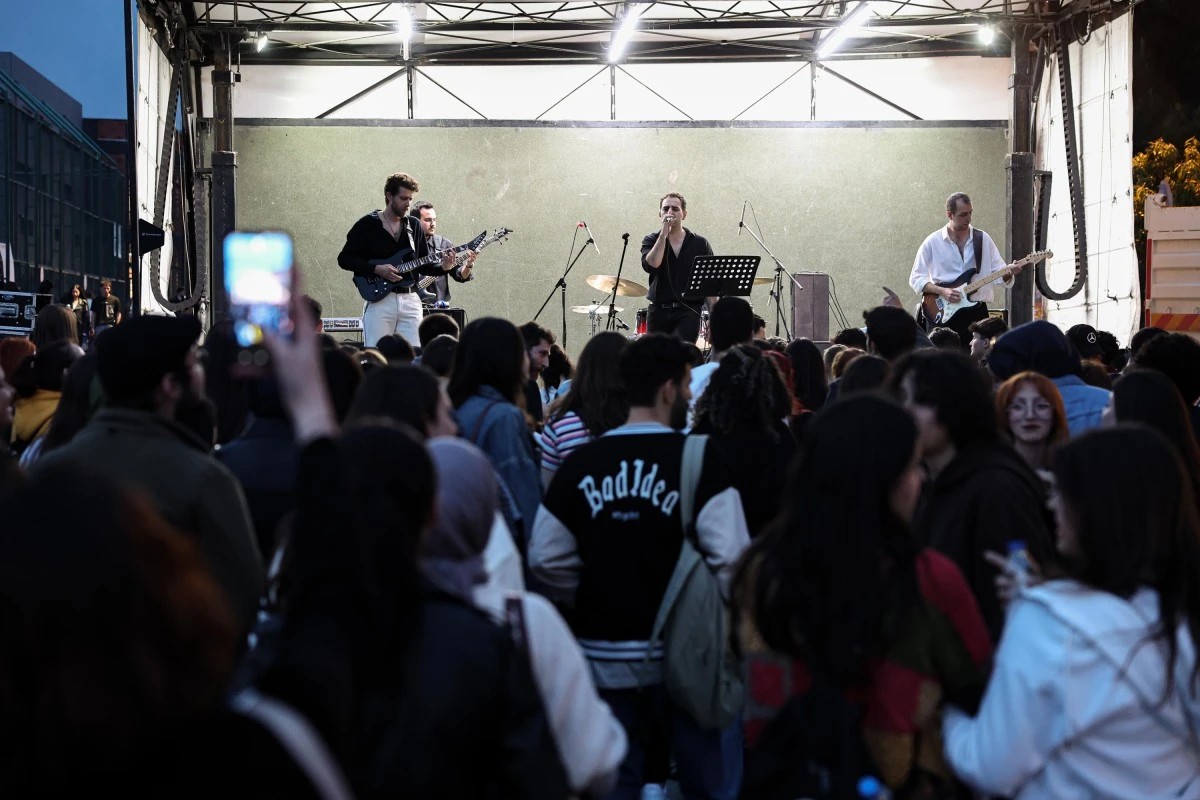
(452,553)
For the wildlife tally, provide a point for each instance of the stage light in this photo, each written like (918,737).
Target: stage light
(624,32)
(403,20)
(987,35)
(260,42)
(856,19)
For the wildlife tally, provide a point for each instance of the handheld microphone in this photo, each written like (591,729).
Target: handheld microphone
(584,225)
(742,221)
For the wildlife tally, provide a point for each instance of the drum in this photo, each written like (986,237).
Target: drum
(639,325)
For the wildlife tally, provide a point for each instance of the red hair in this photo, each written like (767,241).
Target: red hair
(1049,392)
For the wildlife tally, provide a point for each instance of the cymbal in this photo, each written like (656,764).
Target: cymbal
(599,309)
(761,281)
(625,287)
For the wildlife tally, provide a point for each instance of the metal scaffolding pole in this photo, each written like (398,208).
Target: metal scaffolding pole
(1019,166)
(224,174)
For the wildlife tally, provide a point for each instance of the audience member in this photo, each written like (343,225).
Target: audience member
(396,349)
(538,341)
(981,494)
(808,374)
(436,324)
(611,552)
(838,600)
(370,359)
(947,339)
(891,332)
(80,400)
(1030,412)
(984,334)
(556,377)
(38,382)
(1039,346)
(865,374)
(743,412)
(406,395)
(55,323)
(851,337)
(343,376)
(14,350)
(1177,356)
(594,403)
(1093,693)
(831,353)
(438,356)
(1148,397)
(1142,338)
(590,740)
(491,367)
(147,367)
(731,323)
(1086,341)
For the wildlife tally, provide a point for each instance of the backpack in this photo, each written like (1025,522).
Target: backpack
(703,674)
(813,748)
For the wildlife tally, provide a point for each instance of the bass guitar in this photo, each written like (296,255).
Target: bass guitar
(937,310)
(460,259)
(373,288)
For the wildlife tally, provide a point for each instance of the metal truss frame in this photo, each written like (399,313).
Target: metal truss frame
(361,32)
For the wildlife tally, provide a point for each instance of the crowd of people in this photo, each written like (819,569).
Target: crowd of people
(903,565)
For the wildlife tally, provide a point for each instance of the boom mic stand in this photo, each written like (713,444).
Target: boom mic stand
(561,285)
(776,285)
(612,301)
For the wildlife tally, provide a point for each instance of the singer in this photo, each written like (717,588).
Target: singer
(667,256)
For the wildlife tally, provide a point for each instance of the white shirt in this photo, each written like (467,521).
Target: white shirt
(1075,706)
(939,260)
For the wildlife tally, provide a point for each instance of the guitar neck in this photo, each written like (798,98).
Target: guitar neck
(999,274)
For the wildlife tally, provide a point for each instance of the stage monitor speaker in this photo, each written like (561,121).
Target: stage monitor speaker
(459,315)
(810,306)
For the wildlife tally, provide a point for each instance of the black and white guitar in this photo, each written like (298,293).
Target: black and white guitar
(937,310)
(373,288)
(460,259)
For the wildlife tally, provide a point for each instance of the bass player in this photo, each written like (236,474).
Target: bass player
(380,235)
(949,252)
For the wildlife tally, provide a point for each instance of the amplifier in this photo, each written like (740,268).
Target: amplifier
(18,310)
(459,315)
(810,306)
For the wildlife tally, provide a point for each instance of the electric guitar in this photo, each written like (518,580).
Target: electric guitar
(460,259)
(373,288)
(937,310)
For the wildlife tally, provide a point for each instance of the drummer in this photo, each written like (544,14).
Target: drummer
(667,256)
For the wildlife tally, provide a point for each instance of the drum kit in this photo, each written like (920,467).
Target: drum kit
(598,311)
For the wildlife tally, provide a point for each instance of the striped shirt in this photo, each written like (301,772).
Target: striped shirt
(559,437)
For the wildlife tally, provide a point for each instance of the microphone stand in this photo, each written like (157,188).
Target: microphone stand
(776,285)
(612,301)
(561,285)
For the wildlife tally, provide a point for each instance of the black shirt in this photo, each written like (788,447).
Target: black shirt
(106,309)
(368,240)
(677,269)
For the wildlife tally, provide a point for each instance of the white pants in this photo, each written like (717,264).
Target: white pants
(396,313)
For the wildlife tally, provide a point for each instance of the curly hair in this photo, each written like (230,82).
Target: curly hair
(746,391)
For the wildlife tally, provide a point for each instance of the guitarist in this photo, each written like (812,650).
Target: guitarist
(949,252)
(382,234)
(425,212)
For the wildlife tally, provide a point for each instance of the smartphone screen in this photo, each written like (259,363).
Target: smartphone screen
(258,280)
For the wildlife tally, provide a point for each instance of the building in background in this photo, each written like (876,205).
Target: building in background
(62,197)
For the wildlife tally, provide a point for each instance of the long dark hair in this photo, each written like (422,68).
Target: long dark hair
(406,394)
(808,373)
(80,398)
(597,393)
(491,352)
(820,578)
(392,514)
(1129,500)
(745,393)
(116,634)
(1150,397)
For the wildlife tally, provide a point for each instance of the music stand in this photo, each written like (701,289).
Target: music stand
(720,276)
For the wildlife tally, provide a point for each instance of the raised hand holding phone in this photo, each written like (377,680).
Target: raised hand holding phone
(259,281)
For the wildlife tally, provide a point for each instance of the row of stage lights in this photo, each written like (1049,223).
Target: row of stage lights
(859,17)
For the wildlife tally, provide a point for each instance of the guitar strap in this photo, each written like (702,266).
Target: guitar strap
(977,244)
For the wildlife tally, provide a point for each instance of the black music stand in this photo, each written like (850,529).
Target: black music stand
(720,276)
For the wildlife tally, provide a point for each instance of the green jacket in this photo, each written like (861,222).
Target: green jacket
(190,488)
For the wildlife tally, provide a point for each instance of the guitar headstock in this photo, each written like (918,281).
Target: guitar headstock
(477,241)
(1033,258)
(500,235)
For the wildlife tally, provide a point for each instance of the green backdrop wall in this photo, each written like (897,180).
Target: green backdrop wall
(853,200)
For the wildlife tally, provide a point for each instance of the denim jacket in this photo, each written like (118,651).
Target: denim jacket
(1084,404)
(491,421)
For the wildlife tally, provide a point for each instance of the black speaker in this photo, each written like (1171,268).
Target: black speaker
(459,315)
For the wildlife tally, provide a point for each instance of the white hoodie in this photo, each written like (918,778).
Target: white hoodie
(1074,706)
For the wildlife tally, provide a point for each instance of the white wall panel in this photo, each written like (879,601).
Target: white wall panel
(153,97)
(1101,70)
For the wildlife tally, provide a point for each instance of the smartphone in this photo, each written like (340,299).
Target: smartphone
(258,280)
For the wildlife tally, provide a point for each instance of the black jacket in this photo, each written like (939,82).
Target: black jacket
(449,712)
(263,459)
(986,497)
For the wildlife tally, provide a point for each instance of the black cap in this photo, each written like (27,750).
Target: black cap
(132,358)
(1086,341)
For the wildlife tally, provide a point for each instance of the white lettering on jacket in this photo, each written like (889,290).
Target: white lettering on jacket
(641,485)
